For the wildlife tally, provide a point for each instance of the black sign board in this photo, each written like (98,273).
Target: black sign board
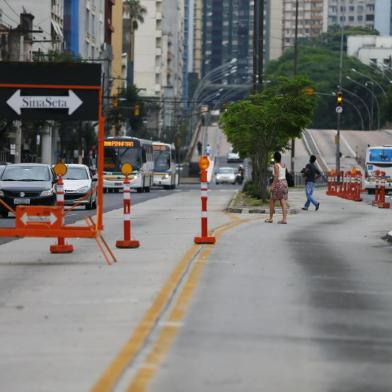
(70,91)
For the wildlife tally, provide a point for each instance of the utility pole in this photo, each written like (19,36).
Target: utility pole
(16,50)
(258,45)
(292,165)
(255,47)
(339,112)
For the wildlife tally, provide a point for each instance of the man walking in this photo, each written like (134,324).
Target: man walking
(310,173)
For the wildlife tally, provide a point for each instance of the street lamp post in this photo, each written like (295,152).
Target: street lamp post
(373,81)
(370,120)
(373,96)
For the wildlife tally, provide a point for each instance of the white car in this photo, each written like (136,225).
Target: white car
(233,157)
(225,175)
(77,184)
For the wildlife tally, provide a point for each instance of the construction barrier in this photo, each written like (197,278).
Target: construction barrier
(127,242)
(347,185)
(204,163)
(61,246)
(379,194)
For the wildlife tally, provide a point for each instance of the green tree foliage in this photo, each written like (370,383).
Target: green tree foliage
(321,66)
(331,39)
(266,121)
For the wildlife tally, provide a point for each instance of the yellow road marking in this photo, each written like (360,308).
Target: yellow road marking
(112,374)
(168,333)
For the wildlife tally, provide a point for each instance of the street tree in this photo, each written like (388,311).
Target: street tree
(265,122)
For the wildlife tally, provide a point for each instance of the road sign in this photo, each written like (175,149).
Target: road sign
(49,91)
(18,102)
(38,217)
(339,109)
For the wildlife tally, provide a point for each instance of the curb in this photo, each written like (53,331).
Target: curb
(250,210)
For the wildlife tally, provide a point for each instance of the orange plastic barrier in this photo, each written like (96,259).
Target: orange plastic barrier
(379,195)
(204,238)
(127,242)
(61,246)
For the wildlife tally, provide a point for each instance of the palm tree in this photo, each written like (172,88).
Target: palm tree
(136,14)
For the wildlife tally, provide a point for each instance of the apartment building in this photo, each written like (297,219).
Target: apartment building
(84,27)
(228,34)
(351,12)
(310,20)
(158,62)
(273,29)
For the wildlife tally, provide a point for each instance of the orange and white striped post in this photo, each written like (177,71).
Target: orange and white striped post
(126,169)
(61,247)
(204,163)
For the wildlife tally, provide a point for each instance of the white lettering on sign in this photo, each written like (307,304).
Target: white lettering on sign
(38,218)
(18,102)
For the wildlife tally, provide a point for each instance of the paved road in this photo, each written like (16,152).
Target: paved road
(303,307)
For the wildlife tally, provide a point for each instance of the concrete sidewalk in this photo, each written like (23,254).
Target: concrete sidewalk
(65,317)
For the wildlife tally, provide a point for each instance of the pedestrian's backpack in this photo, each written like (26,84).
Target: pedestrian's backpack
(289,179)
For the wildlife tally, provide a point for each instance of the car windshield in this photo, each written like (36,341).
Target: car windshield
(76,173)
(225,170)
(380,155)
(161,160)
(26,173)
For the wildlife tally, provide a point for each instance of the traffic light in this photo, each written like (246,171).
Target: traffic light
(339,98)
(136,110)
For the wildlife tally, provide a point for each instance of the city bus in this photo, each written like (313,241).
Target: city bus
(124,149)
(165,168)
(378,158)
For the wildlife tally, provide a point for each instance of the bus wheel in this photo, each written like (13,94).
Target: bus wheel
(139,190)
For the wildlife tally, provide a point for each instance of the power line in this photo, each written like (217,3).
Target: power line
(12,9)
(13,20)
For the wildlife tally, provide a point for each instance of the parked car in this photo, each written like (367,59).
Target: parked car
(78,182)
(26,184)
(225,175)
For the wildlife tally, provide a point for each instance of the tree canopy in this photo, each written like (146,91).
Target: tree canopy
(265,122)
(321,66)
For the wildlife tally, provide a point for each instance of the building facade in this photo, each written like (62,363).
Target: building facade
(273,29)
(358,13)
(228,34)
(84,27)
(371,49)
(310,20)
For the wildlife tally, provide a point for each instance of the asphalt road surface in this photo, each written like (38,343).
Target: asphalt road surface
(285,308)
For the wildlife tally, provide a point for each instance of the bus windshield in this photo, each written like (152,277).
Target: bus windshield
(161,160)
(381,155)
(115,157)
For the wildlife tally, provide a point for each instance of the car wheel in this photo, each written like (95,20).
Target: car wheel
(147,189)
(371,191)
(139,190)
(89,205)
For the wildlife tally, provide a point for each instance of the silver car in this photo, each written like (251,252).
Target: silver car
(225,175)
(79,186)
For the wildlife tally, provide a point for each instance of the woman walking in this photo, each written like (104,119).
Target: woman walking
(279,189)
